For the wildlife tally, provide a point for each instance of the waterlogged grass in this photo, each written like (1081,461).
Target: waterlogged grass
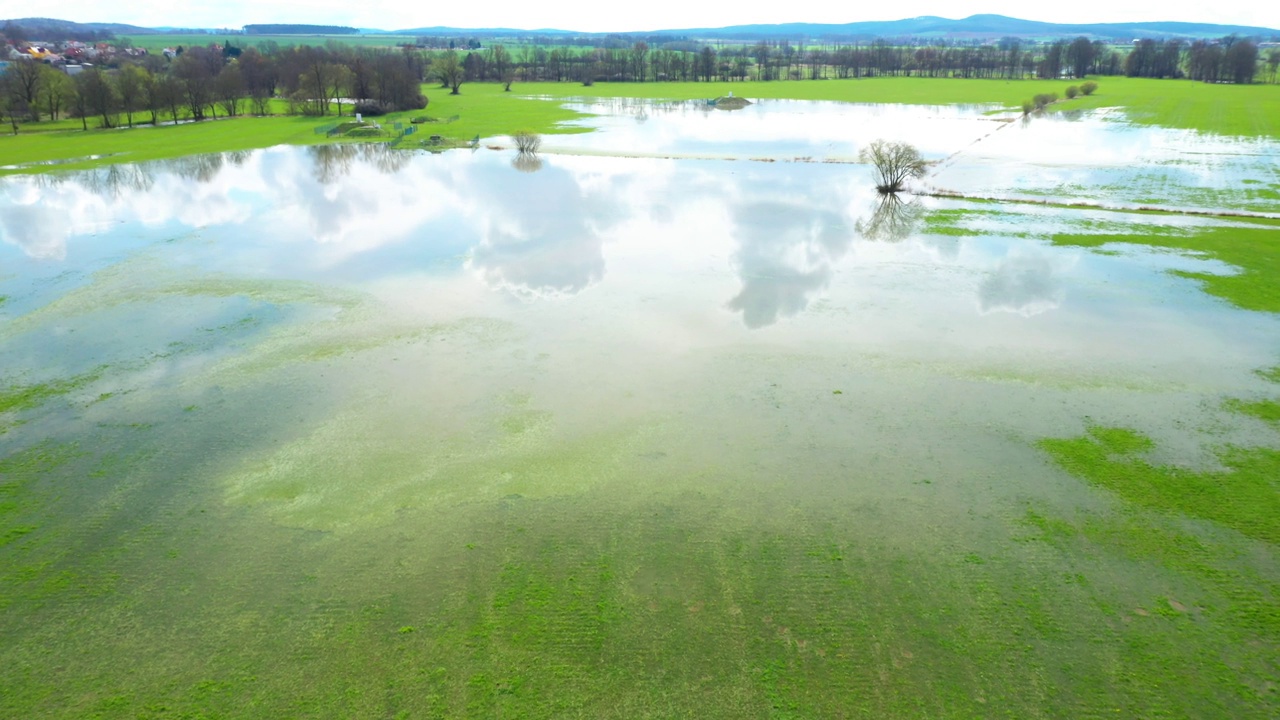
(140,280)
(1267,410)
(17,473)
(1245,497)
(1208,586)
(626,598)
(1249,110)
(1252,247)
(17,398)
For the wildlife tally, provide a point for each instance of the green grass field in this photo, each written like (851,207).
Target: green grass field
(159,42)
(484,109)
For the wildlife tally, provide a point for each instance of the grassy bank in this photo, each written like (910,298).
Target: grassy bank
(486,110)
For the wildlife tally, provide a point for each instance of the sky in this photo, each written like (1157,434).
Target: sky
(596,16)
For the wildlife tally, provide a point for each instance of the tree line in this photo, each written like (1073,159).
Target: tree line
(1227,60)
(1230,59)
(209,82)
(213,81)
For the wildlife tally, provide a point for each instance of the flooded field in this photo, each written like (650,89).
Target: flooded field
(355,432)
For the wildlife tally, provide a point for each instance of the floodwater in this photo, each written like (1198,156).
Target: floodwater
(1090,157)
(355,432)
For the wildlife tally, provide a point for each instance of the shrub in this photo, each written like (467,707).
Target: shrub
(1044,99)
(1027,107)
(1089,87)
(527,142)
(371,108)
(1072,92)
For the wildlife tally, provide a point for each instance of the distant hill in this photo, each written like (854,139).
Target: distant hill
(976,27)
(51,29)
(980,27)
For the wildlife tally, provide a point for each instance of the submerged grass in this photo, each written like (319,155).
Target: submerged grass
(613,602)
(1246,497)
(16,398)
(1251,246)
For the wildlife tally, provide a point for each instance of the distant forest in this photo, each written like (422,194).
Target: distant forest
(294,29)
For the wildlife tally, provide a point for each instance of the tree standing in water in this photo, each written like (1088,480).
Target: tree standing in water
(895,163)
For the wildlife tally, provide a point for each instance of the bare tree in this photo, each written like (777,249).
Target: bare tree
(23,81)
(7,110)
(639,52)
(229,88)
(500,59)
(259,73)
(895,163)
(168,93)
(196,69)
(527,142)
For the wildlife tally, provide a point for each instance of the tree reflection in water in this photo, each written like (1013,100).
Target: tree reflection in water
(527,162)
(893,219)
(334,162)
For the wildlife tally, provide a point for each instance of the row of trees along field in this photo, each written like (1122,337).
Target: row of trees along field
(1227,60)
(682,61)
(205,82)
